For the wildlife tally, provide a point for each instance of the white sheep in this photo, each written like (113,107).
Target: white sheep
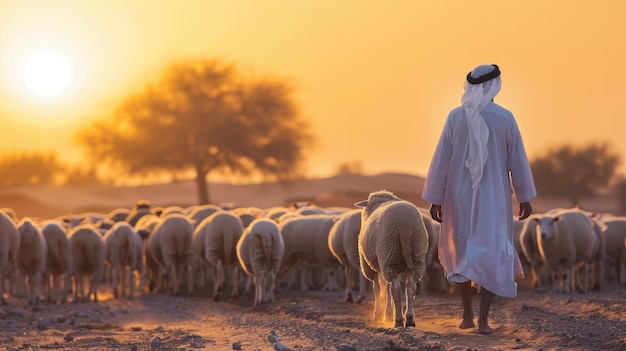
(145,227)
(87,257)
(434,278)
(118,214)
(306,243)
(140,209)
(343,243)
(170,247)
(58,260)
(248,214)
(260,251)
(199,213)
(124,255)
(392,248)
(214,242)
(9,244)
(31,258)
(565,239)
(615,254)
(529,253)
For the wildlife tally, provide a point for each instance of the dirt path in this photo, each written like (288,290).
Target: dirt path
(315,321)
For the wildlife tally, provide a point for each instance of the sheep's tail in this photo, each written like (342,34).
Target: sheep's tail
(406,243)
(229,245)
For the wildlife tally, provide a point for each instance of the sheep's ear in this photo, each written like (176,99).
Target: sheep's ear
(556,219)
(361,204)
(535,219)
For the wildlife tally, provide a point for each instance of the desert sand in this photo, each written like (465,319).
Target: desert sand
(315,320)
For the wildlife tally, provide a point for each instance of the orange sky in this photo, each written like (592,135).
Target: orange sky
(376,79)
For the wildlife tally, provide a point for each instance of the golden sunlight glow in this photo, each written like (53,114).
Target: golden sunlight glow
(47,73)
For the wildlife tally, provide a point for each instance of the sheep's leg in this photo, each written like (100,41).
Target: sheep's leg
(377,297)
(423,282)
(249,284)
(173,277)
(78,288)
(234,281)
(409,316)
(37,296)
(54,291)
(389,303)
(396,300)
(48,284)
(348,288)
(115,272)
(363,285)
(304,271)
(586,275)
(271,285)
(142,279)
(218,280)
(567,274)
(190,282)
(259,282)
(3,301)
(131,282)
(556,280)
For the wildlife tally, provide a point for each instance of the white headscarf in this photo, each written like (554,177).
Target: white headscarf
(474,100)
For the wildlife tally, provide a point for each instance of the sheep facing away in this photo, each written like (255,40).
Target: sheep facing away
(392,248)
(124,255)
(306,246)
(9,243)
(343,243)
(57,261)
(214,242)
(170,247)
(87,256)
(260,251)
(31,258)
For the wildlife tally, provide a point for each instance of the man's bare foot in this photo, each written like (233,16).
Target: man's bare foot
(467,323)
(484,328)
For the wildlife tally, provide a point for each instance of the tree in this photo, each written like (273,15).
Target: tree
(29,168)
(575,173)
(204,116)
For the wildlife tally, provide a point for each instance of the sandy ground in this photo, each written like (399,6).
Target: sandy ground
(315,320)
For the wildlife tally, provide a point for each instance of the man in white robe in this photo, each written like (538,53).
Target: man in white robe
(479,156)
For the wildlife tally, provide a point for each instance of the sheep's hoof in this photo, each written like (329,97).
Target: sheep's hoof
(216,298)
(349,298)
(410,322)
(398,324)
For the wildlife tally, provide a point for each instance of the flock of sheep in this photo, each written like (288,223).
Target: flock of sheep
(384,242)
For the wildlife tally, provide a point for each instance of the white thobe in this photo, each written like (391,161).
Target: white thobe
(480,249)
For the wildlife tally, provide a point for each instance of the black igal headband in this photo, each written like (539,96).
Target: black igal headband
(489,76)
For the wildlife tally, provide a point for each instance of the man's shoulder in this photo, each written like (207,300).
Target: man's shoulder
(499,109)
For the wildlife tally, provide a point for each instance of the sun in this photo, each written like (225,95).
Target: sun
(47,73)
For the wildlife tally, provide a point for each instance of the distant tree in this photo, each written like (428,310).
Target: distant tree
(29,168)
(355,167)
(204,116)
(82,176)
(575,173)
(620,190)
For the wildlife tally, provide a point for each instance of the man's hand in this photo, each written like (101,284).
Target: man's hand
(525,209)
(436,212)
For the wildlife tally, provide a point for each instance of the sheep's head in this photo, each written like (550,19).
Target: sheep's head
(375,200)
(547,226)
